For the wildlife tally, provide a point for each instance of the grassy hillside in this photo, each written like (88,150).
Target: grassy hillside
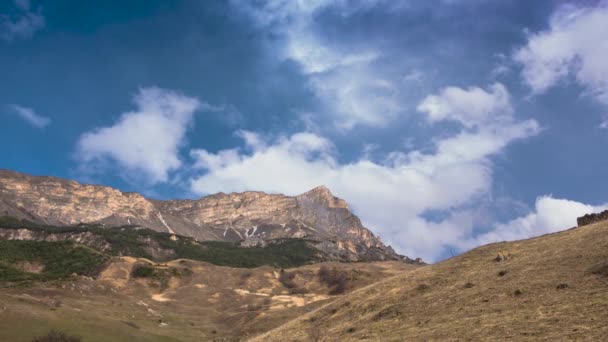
(42,260)
(553,287)
(144,243)
(210,303)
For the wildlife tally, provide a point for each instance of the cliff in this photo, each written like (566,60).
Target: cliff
(250,218)
(592,218)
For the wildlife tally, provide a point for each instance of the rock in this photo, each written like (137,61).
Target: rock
(502,256)
(592,218)
(256,241)
(255,216)
(154,312)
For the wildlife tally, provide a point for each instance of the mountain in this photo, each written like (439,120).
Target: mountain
(250,218)
(76,258)
(549,288)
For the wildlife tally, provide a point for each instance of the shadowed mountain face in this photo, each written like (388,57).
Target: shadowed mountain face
(253,218)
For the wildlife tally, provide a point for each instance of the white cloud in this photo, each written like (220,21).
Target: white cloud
(30,116)
(414,76)
(357,95)
(144,142)
(604,123)
(390,196)
(22,25)
(550,215)
(351,88)
(500,70)
(575,44)
(471,107)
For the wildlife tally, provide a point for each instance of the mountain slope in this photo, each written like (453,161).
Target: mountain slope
(161,247)
(181,300)
(250,217)
(553,287)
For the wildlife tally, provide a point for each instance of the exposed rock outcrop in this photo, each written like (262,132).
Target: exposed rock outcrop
(592,218)
(84,238)
(250,217)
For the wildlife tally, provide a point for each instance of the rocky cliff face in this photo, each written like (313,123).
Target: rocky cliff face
(249,217)
(592,218)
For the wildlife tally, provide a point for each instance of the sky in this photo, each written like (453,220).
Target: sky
(445,124)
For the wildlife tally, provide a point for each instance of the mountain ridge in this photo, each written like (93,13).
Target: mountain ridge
(251,218)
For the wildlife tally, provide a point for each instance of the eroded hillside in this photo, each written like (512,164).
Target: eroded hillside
(134,299)
(553,287)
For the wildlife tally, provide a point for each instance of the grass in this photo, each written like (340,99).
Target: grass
(209,304)
(554,290)
(23,322)
(136,242)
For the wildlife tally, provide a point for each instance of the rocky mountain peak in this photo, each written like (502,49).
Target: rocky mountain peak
(250,217)
(321,189)
(323,195)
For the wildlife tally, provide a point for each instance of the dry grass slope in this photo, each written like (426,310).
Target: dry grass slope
(553,287)
(180,300)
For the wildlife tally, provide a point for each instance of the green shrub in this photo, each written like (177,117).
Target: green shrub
(60,259)
(143,271)
(135,242)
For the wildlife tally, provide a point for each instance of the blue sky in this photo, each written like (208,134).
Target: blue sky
(445,124)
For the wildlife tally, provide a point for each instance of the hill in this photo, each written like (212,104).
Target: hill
(554,287)
(135,299)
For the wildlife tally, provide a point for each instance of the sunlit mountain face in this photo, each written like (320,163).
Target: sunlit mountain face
(443,124)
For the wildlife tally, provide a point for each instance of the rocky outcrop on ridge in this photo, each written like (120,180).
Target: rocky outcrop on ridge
(592,218)
(250,217)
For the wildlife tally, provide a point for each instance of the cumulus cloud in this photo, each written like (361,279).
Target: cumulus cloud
(30,116)
(391,196)
(146,141)
(575,44)
(23,23)
(550,215)
(348,83)
(358,96)
(471,107)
